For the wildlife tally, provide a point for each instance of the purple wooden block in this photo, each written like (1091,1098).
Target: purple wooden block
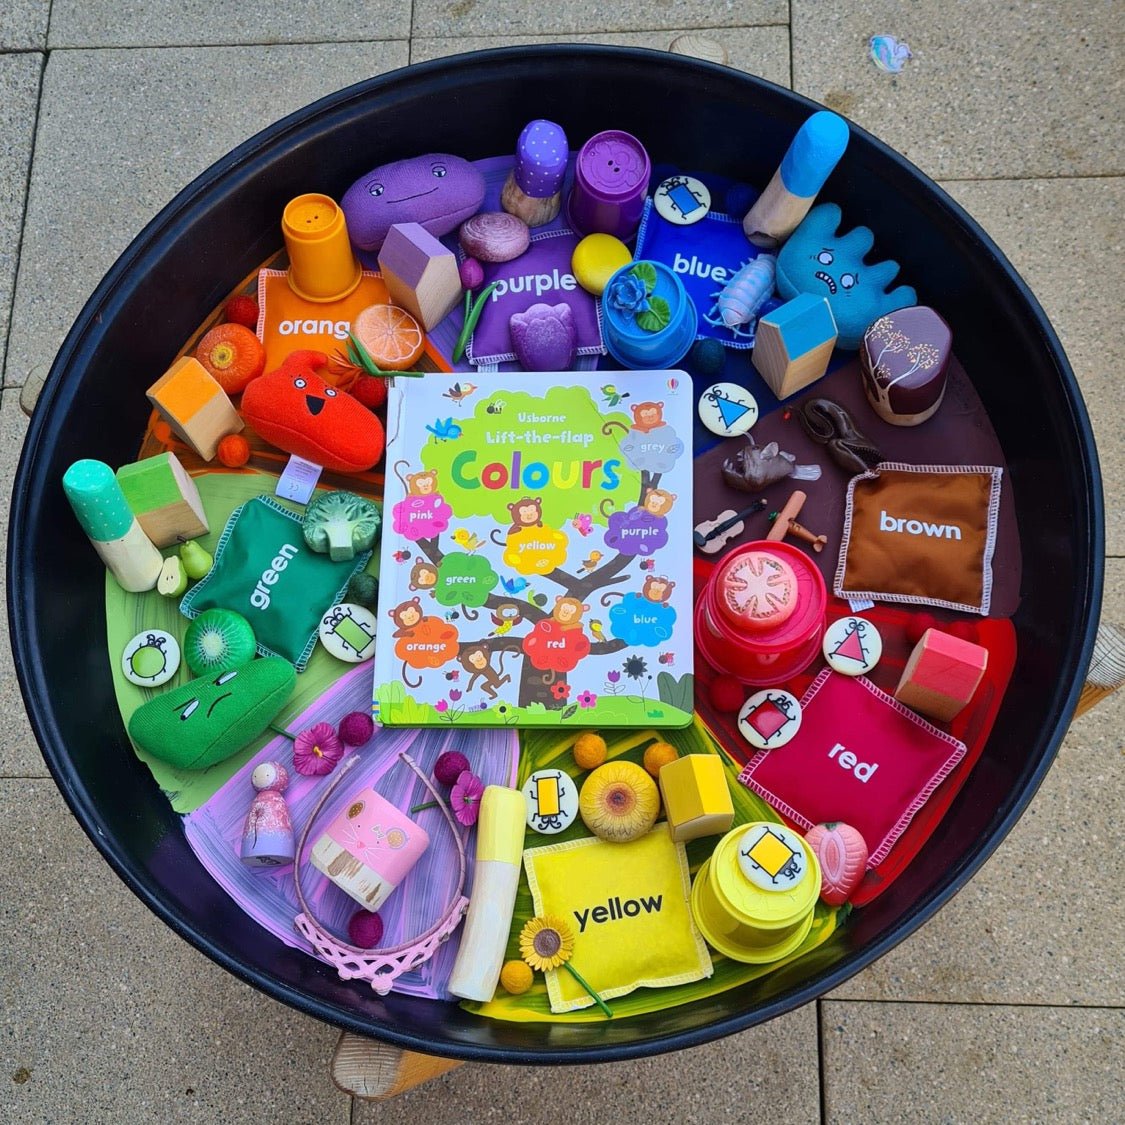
(903,357)
(408,251)
(439,191)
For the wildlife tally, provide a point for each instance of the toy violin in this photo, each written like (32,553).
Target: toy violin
(711,536)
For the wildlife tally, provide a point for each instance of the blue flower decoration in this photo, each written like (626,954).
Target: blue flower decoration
(628,294)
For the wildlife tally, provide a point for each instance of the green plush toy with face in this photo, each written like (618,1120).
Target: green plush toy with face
(205,721)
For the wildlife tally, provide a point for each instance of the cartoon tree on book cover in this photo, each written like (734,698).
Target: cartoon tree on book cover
(532,532)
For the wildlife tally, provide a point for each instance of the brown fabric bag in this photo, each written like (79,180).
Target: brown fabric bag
(920,534)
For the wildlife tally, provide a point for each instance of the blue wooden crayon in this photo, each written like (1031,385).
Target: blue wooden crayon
(813,153)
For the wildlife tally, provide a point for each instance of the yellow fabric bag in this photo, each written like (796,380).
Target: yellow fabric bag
(628,907)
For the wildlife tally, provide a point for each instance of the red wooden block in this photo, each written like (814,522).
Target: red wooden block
(941,675)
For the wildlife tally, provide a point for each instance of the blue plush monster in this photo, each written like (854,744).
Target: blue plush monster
(819,260)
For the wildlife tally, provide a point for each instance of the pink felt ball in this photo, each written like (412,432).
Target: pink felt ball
(727,694)
(356,728)
(449,767)
(472,273)
(365,929)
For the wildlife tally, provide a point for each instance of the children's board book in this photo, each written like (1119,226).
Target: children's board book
(533,568)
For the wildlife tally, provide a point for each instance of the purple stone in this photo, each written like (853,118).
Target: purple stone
(438,191)
(544,337)
(494,236)
(541,156)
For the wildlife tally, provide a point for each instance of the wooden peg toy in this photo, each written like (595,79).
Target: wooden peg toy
(711,536)
(195,406)
(941,675)
(421,275)
(808,162)
(164,499)
(785,523)
(794,344)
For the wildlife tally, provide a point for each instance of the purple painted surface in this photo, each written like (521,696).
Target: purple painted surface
(408,250)
(541,158)
(267,895)
(438,190)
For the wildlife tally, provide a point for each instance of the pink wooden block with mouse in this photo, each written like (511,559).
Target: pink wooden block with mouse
(941,675)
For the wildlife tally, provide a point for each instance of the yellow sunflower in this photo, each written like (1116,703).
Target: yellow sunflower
(546,943)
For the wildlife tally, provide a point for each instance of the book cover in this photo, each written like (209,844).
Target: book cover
(536,554)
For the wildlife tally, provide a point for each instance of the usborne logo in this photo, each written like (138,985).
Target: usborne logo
(919,527)
(260,598)
(337,328)
(615,909)
(540,282)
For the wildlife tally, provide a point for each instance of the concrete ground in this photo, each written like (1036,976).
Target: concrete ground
(1005,1007)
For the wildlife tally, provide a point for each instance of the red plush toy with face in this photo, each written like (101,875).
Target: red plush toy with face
(296,410)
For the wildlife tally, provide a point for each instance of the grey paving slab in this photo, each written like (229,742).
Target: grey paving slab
(516,17)
(922,1063)
(19,94)
(170,23)
(132,128)
(23,24)
(1065,238)
(759,50)
(767,1072)
(995,90)
(107,1016)
(1032,927)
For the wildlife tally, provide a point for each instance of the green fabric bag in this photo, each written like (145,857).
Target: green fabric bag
(264,570)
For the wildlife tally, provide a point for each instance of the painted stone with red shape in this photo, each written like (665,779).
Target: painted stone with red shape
(842,853)
(941,675)
(903,358)
(769,719)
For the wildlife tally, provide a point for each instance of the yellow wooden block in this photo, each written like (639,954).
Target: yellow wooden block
(194,405)
(696,798)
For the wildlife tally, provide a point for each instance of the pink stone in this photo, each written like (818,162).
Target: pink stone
(494,236)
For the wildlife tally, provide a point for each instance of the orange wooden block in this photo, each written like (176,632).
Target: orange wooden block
(941,675)
(195,406)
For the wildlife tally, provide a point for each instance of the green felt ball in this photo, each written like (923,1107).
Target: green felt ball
(218,639)
(208,719)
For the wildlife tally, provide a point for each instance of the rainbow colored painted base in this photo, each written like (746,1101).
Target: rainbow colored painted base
(760,617)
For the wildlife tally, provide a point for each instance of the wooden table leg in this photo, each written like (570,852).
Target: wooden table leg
(374,1071)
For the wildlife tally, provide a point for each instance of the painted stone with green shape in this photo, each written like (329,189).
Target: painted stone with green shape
(206,720)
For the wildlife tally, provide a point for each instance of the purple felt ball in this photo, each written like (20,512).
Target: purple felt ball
(365,929)
(472,273)
(449,767)
(356,728)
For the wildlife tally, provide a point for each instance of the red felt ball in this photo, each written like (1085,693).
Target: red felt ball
(727,694)
(242,310)
(356,728)
(449,767)
(917,625)
(370,391)
(365,929)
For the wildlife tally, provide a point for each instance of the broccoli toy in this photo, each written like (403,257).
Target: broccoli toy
(341,525)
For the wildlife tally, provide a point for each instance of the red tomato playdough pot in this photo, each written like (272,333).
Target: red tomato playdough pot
(760,617)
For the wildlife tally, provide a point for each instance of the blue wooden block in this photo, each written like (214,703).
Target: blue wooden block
(794,343)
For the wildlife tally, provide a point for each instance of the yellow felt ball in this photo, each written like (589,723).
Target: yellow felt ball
(589,751)
(516,977)
(596,259)
(659,754)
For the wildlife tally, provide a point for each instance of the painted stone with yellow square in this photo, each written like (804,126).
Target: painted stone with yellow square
(697,801)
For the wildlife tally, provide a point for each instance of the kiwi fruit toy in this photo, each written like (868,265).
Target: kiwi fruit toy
(217,640)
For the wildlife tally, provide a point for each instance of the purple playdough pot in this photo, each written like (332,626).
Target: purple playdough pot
(438,191)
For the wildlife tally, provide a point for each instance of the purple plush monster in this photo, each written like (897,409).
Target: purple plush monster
(438,191)
(544,337)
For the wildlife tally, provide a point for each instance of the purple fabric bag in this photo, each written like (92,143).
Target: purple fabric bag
(541,275)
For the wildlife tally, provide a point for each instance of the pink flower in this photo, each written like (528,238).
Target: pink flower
(613,677)
(587,699)
(441,706)
(465,798)
(317,750)
(454,694)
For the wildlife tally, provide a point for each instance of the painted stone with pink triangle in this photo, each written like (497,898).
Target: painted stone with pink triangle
(852,646)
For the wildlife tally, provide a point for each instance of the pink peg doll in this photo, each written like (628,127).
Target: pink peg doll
(267,838)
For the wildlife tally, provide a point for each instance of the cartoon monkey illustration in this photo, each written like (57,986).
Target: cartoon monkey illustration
(568,612)
(657,590)
(507,616)
(417,484)
(657,501)
(475,660)
(647,416)
(423,575)
(406,616)
(526,512)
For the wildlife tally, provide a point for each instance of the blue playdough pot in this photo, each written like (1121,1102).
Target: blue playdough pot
(694,115)
(648,320)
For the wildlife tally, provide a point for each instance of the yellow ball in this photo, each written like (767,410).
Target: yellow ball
(589,751)
(596,259)
(516,977)
(659,754)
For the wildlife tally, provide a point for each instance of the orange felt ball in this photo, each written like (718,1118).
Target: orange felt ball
(232,355)
(296,410)
(233,451)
